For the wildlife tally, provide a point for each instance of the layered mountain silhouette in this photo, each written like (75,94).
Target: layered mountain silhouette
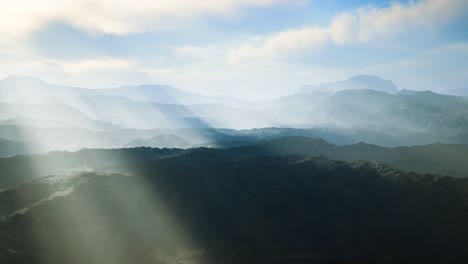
(75,138)
(420,111)
(457,91)
(353,171)
(160,141)
(13,148)
(363,108)
(354,83)
(232,206)
(360,101)
(30,89)
(440,159)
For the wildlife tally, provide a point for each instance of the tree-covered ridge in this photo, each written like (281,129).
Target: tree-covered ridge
(208,206)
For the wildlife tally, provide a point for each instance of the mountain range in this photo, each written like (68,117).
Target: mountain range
(33,90)
(354,171)
(358,82)
(363,108)
(12,148)
(238,205)
(441,159)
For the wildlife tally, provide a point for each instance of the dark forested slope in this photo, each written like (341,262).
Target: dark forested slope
(206,206)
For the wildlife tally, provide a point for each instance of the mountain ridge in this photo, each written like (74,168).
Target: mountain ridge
(256,210)
(440,159)
(356,82)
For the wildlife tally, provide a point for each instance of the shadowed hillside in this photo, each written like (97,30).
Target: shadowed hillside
(441,159)
(209,208)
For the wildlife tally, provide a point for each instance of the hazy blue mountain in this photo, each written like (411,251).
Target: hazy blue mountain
(365,102)
(436,112)
(126,113)
(224,206)
(357,82)
(27,89)
(419,112)
(460,138)
(160,141)
(291,111)
(155,93)
(369,107)
(30,89)
(405,118)
(10,148)
(69,138)
(449,103)
(165,94)
(393,114)
(50,115)
(406,92)
(141,107)
(456,91)
(65,138)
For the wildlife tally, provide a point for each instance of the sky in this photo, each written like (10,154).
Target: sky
(255,49)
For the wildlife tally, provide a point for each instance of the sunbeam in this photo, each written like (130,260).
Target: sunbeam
(222,131)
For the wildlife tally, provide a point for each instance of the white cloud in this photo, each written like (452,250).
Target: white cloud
(194,52)
(20,17)
(93,65)
(99,72)
(461,47)
(96,72)
(204,68)
(285,42)
(364,25)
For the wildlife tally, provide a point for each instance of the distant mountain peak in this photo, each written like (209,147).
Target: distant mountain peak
(22,79)
(160,141)
(145,86)
(406,92)
(366,77)
(456,91)
(361,81)
(375,83)
(362,92)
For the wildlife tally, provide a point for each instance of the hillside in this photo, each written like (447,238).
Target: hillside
(441,159)
(356,82)
(207,208)
(361,101)
(160,141)
(12,148)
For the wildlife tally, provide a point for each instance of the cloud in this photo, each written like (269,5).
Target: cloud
(191,51)
(115,16)
(282,43)
(340,48)
(93,65)
(461,47)
(362,26)
(102,71)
